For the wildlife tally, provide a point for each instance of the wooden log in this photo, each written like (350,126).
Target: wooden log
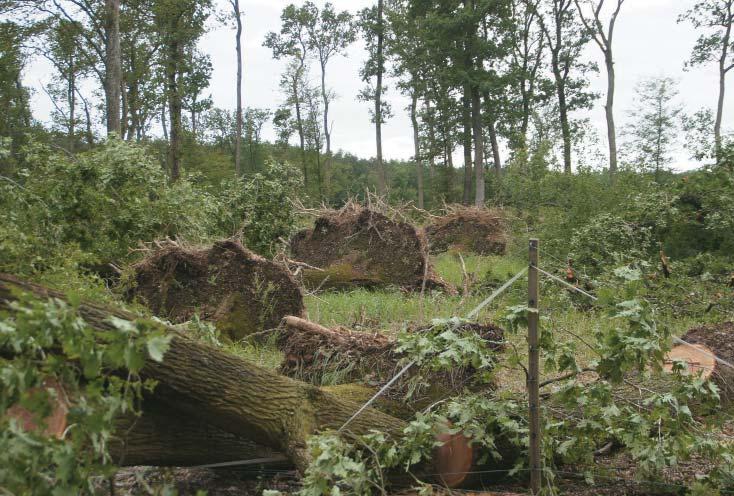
(245,407)
(232,394)
(164,437)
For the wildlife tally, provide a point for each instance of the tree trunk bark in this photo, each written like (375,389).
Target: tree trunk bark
(238,135)
(327,133)
(722,91)
(492,131)
(478,146)
(163,437)
(233,395)
(381,179)
(417,147)
(466,141)
(175,54)
(71,95)
(113,65)
(164,122)
(563,112)
(299,125)
(609,111)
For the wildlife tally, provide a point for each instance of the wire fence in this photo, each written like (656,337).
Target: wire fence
(251,465)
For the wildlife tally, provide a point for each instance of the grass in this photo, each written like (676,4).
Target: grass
(571,318)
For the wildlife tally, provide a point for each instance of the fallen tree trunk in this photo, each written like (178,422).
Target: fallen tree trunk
(162,437)
(236,396)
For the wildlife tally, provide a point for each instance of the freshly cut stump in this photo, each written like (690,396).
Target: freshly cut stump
(712,340)
(240,291)
(469,229)
(699,358)
(356,246)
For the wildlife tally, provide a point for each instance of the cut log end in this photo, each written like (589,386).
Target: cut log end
(699,358)
(453,460)
(54,425)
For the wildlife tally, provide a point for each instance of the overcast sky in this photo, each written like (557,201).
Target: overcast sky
(648,42)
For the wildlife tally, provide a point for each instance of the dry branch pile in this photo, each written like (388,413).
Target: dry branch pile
(372,359)
(240,291)
(356,246)
(478,230)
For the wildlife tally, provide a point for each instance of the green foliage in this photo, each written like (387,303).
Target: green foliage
(258,207)
(50,341)
(607,241)
(444,347)
(94,207)
(99,204)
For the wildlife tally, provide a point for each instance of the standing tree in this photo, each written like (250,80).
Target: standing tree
(655,123)
(526,58)
(180,24)
(141,85)
(15,112)
(404,47)
(61,48)
(237,15)
(372,25)
(715,17)
(292,42)
(566,41)
(603,36)
(329,33)
(254,119)
(113,65)
(99,24)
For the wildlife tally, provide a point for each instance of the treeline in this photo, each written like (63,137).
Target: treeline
(501,83)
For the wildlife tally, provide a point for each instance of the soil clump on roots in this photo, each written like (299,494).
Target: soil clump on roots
(240,291)
(356,246)
(338,355)
(469,229)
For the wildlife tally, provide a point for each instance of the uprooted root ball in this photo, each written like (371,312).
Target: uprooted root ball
(240,291)
(469,229)
(356,246)
(342,356)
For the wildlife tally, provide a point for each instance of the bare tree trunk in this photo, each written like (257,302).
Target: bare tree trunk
(417,147)
(88,116)
(609,111)
(466,141)
(71,95)
(562,107)
(238,135)
(381,179)
(492,131)
(164,122)
(327,133)
(113,66)
(299,125)
(175,53)
(722,89)
(478,146)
